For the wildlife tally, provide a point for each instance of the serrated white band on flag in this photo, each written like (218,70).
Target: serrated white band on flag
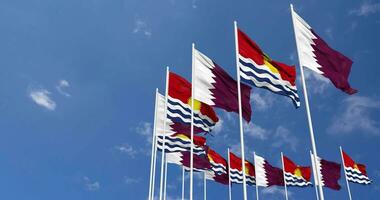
(317,172)
(204,78)
(304,37)
(261,177)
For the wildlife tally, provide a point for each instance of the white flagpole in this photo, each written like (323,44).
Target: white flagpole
(283,172)
(229,176)
(164,133)
(314,175)
(204,186)
(257,187)
(314,148)
(154,164)
(345,173)
(152,160)
(166,177)
(240,112)
(192,121)
(183,183)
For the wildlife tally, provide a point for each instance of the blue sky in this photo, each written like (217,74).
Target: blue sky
(78,78)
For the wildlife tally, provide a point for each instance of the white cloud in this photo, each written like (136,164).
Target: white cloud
(255,131)
(41,97)
(129,180)
(366,8)
(274,191)
(145,129)
(62,84)
(127,149)
(329,32)
(141,27)
(283,137)
(316,83)
(91,185)
(262,101)
(194,4)
(218,127)
(356,115)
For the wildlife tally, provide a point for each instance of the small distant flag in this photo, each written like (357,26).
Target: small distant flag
(218,171)
(200,162)
(236,174)
(266,174)
(296,175)
(216,87)
(329,172)
(317,55)
(179,105)
(355,172)
(256,68)
(181,142)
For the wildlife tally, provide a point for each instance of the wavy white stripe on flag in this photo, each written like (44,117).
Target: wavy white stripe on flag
(292,180)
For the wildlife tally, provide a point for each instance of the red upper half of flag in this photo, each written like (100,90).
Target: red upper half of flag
(296,170)
(180,88)
(235,163)
(349,162)
(215,157)
(249,49)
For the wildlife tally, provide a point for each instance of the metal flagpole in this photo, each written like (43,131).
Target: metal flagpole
(204,186)
(154,164)
(315,176)
(183,183)
(229,176)
(192,122)
(314,148)
(152,160)
(257,187)
(345,173)
(164,133)
(166,177)
(240,112)
(283,172)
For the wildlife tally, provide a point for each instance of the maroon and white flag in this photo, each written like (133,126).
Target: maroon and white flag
(216,87)
(266,174)
(328,171)
(317,55)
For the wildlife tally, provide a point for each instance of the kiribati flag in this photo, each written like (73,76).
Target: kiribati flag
(257,69)
(355,172)
(181,142)
(296,175)
(236,173)
(218,171)
(179,106)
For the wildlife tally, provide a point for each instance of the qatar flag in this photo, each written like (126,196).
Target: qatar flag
(266,174)
(315,54)
(328,171)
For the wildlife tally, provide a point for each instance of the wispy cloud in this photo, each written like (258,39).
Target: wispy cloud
(194,4)
(62,85)
(274,191)
(356,115)
(316,83)
(127,149)
(91,185)
(366,8)
(262,101)
(218,127)
(283,137)
(145,129)
(141,27)
(130,180)
(42,98)
(329,32)
(255,131)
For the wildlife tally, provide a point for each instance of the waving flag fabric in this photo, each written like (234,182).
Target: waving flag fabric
(318,56)
(218,171)
(200,162)
(257,69)
(182,142)
(216,88)
(236,174)
(266,174)
(296,175)
(179,105)
(161,117)
(329,172)
(355,172)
